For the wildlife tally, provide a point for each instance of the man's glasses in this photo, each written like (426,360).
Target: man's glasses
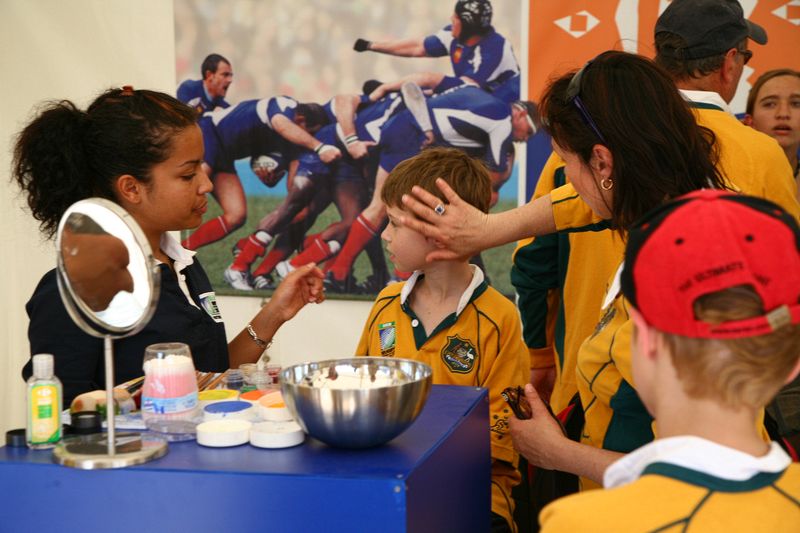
(746,55)
(574,97)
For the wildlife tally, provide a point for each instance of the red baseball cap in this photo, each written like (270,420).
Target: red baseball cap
(708,241)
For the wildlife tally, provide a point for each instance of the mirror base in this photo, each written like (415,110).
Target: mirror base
(90,452)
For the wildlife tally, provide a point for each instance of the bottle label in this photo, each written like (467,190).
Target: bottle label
(169,406)
(44,418)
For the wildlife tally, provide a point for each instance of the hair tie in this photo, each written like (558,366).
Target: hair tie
(127,90)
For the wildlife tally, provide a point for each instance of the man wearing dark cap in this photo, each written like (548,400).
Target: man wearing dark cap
(479,54)
(703,44)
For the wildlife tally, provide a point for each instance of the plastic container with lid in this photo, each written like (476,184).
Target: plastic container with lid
(169,394)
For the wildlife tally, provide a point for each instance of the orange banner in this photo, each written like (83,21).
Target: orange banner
(565,34)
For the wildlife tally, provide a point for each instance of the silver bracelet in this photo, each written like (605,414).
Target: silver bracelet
(256,339)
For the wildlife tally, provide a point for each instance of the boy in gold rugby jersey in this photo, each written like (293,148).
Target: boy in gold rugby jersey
(446,315)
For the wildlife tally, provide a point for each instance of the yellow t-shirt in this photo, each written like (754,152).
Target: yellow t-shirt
(615,417)
(678,493)
(560,280)
(480,345)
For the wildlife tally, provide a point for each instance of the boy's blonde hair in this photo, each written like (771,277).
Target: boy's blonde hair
(746,371)
(467,176)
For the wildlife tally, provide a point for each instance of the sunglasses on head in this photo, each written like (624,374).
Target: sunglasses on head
(573,96)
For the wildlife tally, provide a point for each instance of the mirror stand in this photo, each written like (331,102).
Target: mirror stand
(121,450)
(86,230)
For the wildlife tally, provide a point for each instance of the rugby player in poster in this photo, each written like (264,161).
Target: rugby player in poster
(276,128)
(479,55)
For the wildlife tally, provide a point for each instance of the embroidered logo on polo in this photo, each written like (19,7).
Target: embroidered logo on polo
(387,333)
(208,301)
(459,355)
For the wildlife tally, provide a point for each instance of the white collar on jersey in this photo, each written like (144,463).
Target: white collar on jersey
(180,255)
(706,97)
(696,454)
(477,279)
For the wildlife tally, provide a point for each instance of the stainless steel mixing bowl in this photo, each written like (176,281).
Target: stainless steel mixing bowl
(361,414)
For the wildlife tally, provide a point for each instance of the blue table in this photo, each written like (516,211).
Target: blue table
(433,477)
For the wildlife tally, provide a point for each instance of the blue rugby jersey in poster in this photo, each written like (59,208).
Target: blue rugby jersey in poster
(490,63)
(467,118)
(193,94)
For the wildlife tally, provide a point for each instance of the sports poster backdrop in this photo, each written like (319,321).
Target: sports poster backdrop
(564,35)
(304,49)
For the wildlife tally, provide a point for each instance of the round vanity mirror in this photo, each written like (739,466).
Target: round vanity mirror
(109,282)
(107,276)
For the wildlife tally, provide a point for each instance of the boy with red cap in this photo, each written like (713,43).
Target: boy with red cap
(713,279)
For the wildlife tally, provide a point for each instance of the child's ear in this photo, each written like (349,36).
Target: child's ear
(646,337)
(747,120)
(793,374)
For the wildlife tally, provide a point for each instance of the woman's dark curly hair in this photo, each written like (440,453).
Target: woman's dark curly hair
(64,154)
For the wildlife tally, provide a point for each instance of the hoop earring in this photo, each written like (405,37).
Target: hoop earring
(606,184)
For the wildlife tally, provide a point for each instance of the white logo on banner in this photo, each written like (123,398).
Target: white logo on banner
(783,12)
(578,24)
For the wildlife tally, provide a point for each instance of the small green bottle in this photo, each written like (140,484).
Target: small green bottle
(44,404)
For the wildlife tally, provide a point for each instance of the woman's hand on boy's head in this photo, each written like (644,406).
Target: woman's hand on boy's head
(540,438)
(457,227)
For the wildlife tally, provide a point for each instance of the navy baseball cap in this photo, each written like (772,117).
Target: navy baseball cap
(709,27)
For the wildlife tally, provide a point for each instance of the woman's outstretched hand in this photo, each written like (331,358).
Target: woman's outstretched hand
(303,285)
(458,228)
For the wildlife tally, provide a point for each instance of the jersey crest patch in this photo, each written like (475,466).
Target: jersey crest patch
(387,333)
(208,301)
(459,355)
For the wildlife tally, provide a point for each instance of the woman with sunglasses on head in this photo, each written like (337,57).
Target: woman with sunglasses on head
(629,143)
(144,151)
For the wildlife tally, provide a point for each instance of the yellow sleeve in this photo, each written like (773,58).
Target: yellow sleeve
(509,368)
(781,187)
(363,342)
(544,185)
(569,209)
(544,357)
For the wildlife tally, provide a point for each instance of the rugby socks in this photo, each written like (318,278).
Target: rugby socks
(309,240)
(360,234)
(254,247)
(275,256)
(315,252)
(208,232)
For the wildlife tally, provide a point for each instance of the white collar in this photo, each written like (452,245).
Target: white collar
(477,279)
(180,255)
(706,97)
(698,454)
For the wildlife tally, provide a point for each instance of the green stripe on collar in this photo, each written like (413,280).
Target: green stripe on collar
(704,105)
(708,481)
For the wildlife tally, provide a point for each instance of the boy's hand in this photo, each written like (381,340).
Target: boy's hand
(541,438)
